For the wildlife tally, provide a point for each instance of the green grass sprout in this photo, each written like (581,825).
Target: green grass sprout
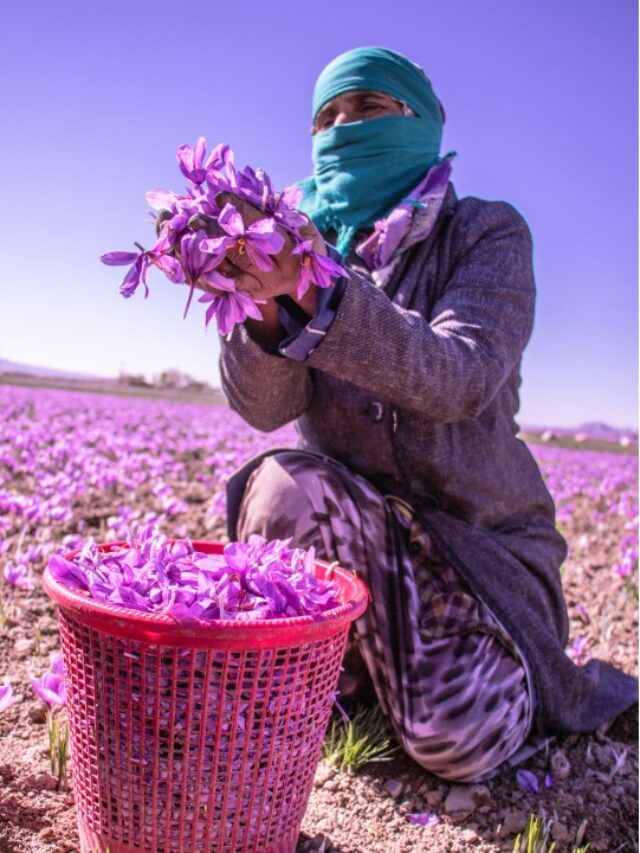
(58,731)
(365,738)
(537,834)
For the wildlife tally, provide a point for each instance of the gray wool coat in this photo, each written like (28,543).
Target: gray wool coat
(415,386)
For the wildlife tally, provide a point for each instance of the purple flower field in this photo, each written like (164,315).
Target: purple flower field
(74,465)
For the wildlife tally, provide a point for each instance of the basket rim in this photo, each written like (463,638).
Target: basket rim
(80,602)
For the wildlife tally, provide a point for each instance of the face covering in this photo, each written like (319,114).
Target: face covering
(364,169)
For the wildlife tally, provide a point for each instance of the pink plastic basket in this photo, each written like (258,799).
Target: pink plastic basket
(203,737)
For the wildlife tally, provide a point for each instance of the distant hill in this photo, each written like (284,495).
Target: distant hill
(605,432)
(592,430)
(170,384)
(7,366)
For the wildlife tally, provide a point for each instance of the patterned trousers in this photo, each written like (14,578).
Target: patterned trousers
(450,679)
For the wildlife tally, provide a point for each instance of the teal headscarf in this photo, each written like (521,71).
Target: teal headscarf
(363,169)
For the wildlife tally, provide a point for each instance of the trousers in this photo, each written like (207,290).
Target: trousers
(454,686)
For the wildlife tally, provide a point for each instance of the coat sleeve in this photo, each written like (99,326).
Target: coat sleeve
(267,390)
(450,368)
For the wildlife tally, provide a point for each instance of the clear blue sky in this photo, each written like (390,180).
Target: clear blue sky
(541,103)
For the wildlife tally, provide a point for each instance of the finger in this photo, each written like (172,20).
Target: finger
(249,212)
(243,279)
(230,270)
(207,288)
(238,258)
(162,217)
(208,223)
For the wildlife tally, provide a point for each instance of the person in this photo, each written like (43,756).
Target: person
(403,382)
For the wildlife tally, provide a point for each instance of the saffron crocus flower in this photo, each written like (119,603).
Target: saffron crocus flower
(6,697)
(197,261)
(18,575)
(171,267)
(56,663)
(579,649)
(176,212)
(50,688)
(67,573)
(290,219)
(222,176)
(619,759)
(254,580)
(137,273)
(198,264)
(160,199)
(33,553)
(423,818)
(258,190)
(527,781)
(192,160)
(229,309)
(258,241)
(315,268)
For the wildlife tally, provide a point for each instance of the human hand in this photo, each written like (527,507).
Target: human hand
(248,268)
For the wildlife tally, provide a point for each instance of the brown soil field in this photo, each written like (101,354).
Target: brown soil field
(594,796)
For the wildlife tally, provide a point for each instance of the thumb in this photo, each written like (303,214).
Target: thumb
(310,232)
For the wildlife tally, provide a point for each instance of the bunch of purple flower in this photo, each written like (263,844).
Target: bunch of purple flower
(248,581)
(187,254)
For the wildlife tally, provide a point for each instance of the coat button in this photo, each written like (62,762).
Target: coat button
(376,412)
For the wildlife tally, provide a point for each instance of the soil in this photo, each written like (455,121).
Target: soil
(366,812)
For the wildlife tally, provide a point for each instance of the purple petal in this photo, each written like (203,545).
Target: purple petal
(56,664)
(248,305)
(212,310)
(216,245)
(171,268)
(199,152)
(305,279)
(423,818)
(160,199)
(216,279)
(527,781)
(271,242)
(50,688)
(6,697)
(118,259)
(258,258)
(184,155)
(263,226)
(303,248)
(231,221)
(134,277)
(291,196)
(234,308)
(67,573)
(18,575)
(193,258)
(220,154)
(229,312)
(328,265)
